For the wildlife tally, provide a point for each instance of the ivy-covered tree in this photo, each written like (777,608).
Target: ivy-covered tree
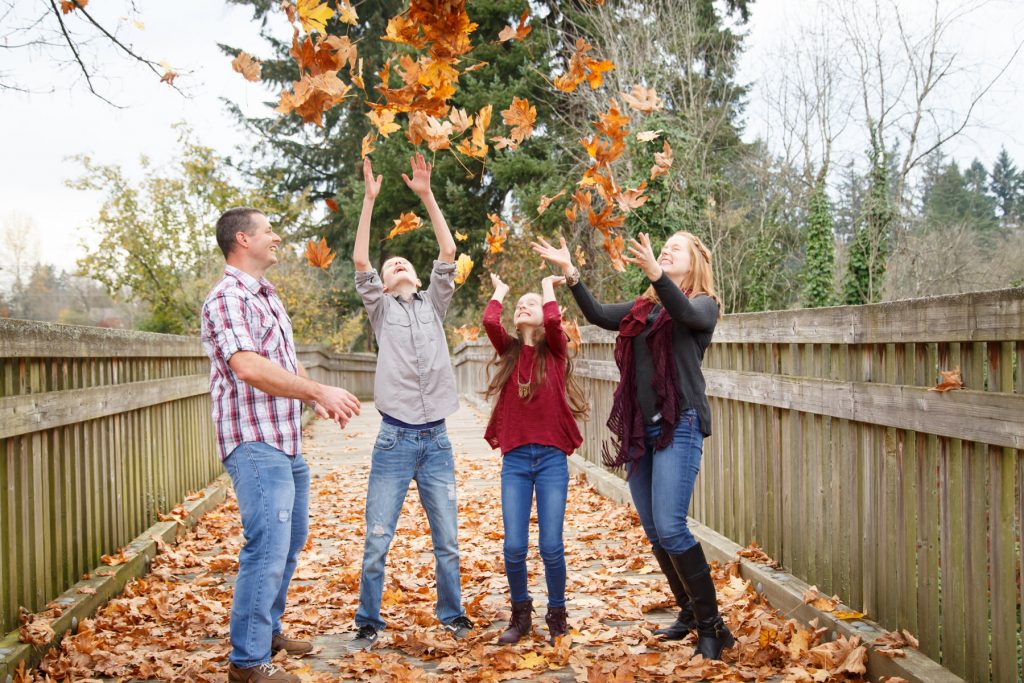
(866,260)
(819,251)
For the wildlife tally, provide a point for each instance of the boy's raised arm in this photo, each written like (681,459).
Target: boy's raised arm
(420,184)
(361,251)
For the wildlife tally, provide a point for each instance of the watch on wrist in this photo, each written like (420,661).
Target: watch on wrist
(573,277)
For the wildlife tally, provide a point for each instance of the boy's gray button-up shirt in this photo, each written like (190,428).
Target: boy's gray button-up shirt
(414,382)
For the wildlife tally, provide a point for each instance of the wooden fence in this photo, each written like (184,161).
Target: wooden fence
(100,432)
(830,451)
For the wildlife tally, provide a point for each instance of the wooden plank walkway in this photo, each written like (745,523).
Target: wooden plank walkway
(172,625)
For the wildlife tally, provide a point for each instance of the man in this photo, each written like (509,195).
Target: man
(258,387)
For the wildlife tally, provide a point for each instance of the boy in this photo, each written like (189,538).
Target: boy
(414,391)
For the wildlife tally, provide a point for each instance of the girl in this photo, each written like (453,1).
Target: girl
(660,414)
(534,425)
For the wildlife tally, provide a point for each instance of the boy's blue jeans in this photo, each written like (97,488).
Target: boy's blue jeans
(272,488)
(399,457)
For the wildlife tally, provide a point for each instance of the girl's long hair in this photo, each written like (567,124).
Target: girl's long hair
(501,368)
(701,278)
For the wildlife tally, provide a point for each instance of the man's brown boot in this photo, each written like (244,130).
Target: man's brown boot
(259,674)
(292,647)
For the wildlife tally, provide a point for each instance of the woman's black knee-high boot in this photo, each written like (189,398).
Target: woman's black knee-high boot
(685,621)
(713,635)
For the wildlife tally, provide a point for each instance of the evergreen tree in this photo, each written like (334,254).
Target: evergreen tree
(870,249)
(819,249)
(1007,185)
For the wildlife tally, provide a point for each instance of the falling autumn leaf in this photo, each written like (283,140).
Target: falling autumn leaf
(614,247)
(384,121)
(546,201)
(331,204)
(632,199)
(468,332)
(67,6)
(572,331)
(169,77)
(318,254)
(314,15)
(407,222)
(367,147)
(247,66)
(516,32)
(648,135)
(460,236)
(643,99)
(497,234)
(662,161)
(951,379)
(463,267)
(347,13)
(580,256)
(521,116)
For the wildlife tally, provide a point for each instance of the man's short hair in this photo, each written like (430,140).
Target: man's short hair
(232,222)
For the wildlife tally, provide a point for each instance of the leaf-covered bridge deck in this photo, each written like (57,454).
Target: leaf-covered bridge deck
(173,624)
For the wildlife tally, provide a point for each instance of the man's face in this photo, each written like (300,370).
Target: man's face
(262,241)
(395,271)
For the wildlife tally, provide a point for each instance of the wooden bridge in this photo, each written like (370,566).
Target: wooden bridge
(829,451)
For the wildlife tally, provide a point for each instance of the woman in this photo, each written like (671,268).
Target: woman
(660,414)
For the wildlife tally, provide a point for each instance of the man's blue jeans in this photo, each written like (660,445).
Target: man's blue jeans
(273,498)
(661,484)
(399,457)
(523,470)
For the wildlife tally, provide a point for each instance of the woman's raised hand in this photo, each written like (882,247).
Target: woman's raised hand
(556,256)
(643,256)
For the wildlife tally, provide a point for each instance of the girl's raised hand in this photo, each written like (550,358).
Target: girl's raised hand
(500,288)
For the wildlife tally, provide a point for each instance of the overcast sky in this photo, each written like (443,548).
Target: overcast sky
(42,129)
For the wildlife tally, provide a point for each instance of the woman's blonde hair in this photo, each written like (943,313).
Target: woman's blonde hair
(701,278)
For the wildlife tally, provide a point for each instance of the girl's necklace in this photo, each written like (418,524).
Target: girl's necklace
(524,388)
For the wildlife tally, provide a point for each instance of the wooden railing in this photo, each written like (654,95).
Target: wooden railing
(100,432)
(829,450)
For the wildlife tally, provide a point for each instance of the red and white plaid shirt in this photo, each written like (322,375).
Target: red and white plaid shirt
(242,313)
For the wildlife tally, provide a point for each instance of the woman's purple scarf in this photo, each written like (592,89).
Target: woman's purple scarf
(626,421)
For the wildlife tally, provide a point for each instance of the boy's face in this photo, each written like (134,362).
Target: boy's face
(397,270)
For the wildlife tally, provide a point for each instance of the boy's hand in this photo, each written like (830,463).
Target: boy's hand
(500,288)
(372,188)
(420,183)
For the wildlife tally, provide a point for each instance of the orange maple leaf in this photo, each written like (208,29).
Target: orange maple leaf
(318,254)
(384,121)
(546,201)
(347,13)
(614,249)
(580,256)
(497,234)
(407,222)
(521,115)
(247,66)
(468,332)
(643,99)
(331,204)
(572,331)
(67,6)
(367,146)
(516,32)
(632,199)
(662,161)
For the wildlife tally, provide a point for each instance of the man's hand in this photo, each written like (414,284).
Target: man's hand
(338,404)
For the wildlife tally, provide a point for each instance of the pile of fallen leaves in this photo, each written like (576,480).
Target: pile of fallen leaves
(173,624)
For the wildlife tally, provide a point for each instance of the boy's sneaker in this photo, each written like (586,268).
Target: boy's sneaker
(459,627)
(366,636)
